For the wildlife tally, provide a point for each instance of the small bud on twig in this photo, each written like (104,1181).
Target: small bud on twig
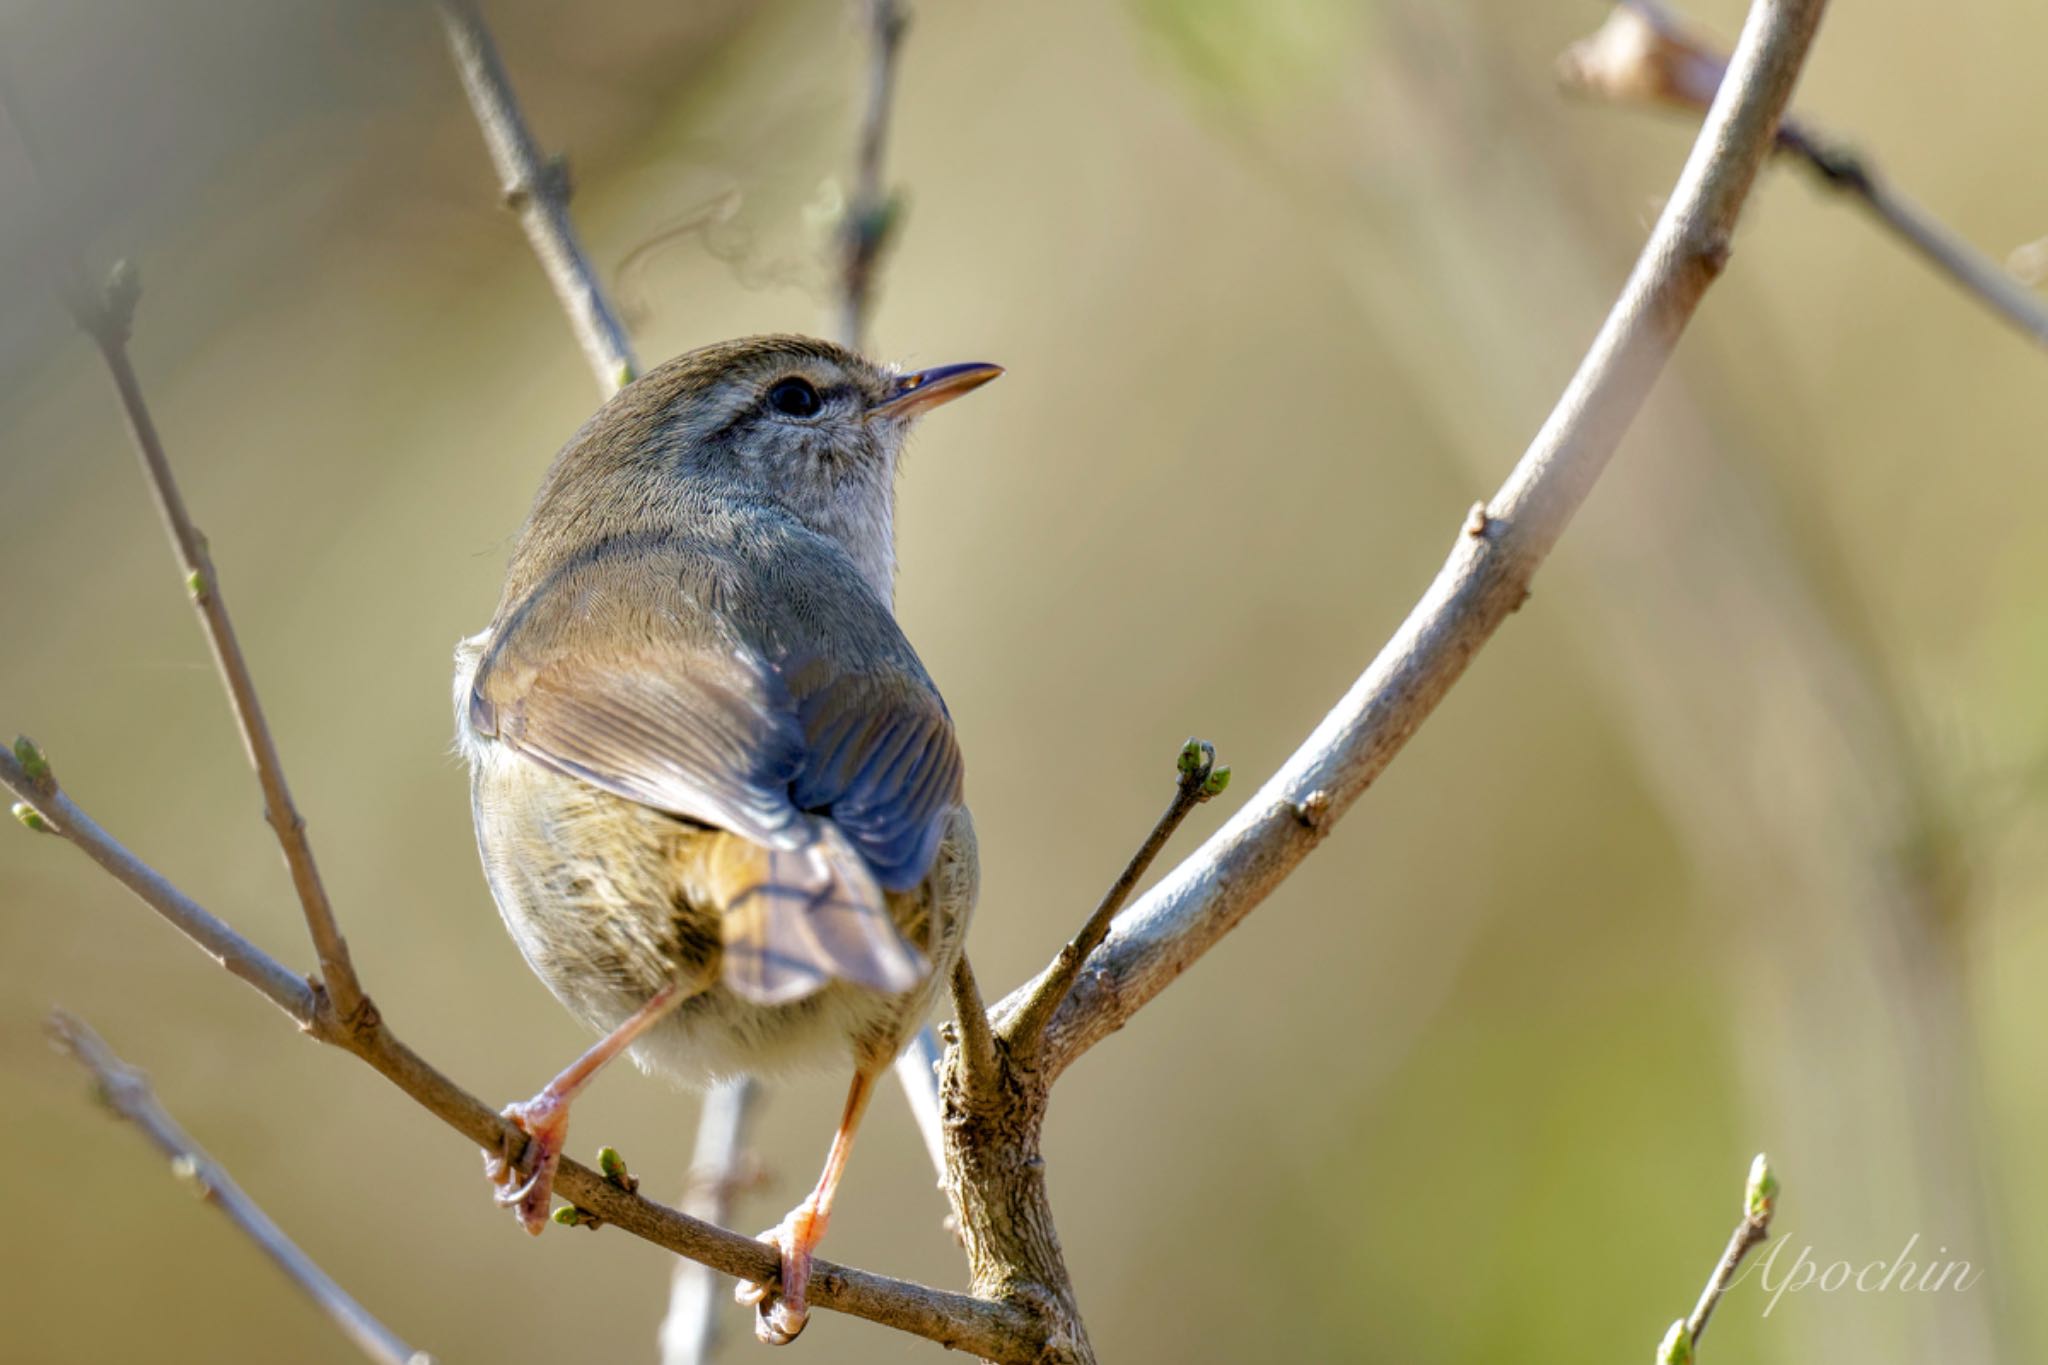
(34,765)
(614,1167)
(1760,1200)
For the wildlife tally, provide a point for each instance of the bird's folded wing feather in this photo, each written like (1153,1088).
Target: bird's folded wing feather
(621,671)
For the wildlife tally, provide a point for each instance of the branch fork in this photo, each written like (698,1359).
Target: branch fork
(1023,1306)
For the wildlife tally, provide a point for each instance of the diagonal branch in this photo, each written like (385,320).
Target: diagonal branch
(1759,1203)
(1023,1029)
(126,1091)
(997,1331)
(106,320)
(537,188)
(1647,54)
(106,315)
(1486,577)
(872,210)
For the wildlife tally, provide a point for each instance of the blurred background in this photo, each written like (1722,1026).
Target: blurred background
(1729,842)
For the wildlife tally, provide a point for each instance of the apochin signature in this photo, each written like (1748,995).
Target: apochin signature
(1898,1275)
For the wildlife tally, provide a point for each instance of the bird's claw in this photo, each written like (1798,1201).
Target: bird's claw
(545,1121)
(780,1307)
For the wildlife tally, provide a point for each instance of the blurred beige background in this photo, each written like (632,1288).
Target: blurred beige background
(1730,841)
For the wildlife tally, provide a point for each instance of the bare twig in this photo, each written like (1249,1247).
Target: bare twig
(107,314)
(717,1168)
(1199,779)
(1647,54)
(108,324)
(46,808)
(537,189)
(872,211)
(997,1331)
(126,1091)
(1759,1203)
(1486,577)
(917,1074)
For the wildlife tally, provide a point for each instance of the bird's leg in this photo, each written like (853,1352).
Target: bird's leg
(779,1309)
(545,1118)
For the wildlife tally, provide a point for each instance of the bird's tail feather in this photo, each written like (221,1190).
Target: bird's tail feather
(794,920)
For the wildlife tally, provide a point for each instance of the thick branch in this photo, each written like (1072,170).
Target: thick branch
(1488,572)
(537,189)
(126,1091)
(974,1036)
(993,1330)
(1647,54)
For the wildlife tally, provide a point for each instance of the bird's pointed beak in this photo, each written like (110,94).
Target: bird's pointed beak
(922,390)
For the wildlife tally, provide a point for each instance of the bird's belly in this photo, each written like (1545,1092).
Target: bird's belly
(594,890)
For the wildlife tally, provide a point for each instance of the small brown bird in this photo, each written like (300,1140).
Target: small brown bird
(718,798)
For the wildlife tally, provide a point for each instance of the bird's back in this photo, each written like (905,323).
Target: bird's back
(707,753)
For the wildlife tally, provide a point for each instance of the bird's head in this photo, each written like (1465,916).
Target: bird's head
(789,419)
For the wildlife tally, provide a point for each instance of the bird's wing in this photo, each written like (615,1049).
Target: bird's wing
(678,680)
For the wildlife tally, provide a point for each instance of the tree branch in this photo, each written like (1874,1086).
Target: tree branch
(1759,1203)
(872,211)
(1199,779)
(106,315)
(1647,54)
(1486,577)
(996,1331)
(972,1034)
(537,188)
(717,1170)
(125,1090)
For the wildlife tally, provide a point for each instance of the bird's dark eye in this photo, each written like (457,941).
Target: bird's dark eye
(795,397)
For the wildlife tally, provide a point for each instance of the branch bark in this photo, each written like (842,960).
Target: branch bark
(1486,577)
(126,1091)
(1026,1307)
(1646,53)
(993,1330)
(107,315)
(537,188)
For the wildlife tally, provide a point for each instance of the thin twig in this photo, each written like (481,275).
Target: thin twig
(997,1331)
(871,209)
(1198,779)
(108,327)
(717,1169)
(107,314)
(126,1091)
(1486,577)
(537,188)
(917,1073)
(46,808)
(1759,1203)
(1648,54)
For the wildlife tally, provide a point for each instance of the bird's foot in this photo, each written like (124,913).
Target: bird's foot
(545,1121)
(780,1308)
